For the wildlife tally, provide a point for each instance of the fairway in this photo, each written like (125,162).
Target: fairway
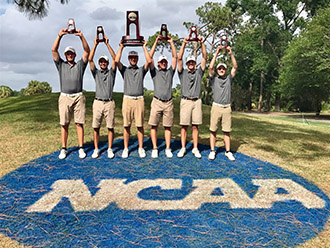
(30,129)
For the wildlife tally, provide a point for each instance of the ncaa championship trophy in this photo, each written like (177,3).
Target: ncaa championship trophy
(71,28)
(132,17)
(100,34)
(223,40)
(164,32)
(193,34)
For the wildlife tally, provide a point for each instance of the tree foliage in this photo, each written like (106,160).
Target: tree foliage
(305,77)
(5,91)
(34,9)
(36,87)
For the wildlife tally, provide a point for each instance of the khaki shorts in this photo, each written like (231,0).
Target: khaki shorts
(191,112)
(159,109)
(103,109)
(133,109)
(220,114)
(68,105)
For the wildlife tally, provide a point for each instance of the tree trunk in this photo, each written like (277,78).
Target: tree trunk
(250,97)
(261,81)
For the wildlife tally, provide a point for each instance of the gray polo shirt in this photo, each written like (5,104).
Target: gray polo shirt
(163,81)
(221,88)
(71,77)
(191,82)
(104,83)
(133,80)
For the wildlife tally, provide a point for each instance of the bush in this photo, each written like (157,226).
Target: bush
(36,87)
(5,91)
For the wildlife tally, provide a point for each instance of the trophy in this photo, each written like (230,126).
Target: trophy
(132,17)
(71,26)
(193,34)
(100,34)
(223,40)
(164,32)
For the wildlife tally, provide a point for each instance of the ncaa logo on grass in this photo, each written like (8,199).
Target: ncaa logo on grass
(160,202)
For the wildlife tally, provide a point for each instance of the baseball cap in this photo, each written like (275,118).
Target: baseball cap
(104,57)
(69,49)
(133,54)
(162,57)
(191,58)
(222,64)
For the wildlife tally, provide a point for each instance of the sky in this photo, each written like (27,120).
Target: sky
(25,45)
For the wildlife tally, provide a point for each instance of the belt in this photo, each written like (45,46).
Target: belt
(222,105)
(72,95)
(189,98)
(162,99)
(103,100)
(133,97)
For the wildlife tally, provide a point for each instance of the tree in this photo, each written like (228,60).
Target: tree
(305,75)
(5,91)
(36,9)
(274,23)
(36,87)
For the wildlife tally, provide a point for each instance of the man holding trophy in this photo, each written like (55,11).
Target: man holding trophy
(103,105)
(71,99)
(162,103)
(221,110)
(191,104)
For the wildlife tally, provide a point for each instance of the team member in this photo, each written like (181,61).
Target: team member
(103,105)
(162,103)
(221,110)
(71,99)
(133,101)
(191,104)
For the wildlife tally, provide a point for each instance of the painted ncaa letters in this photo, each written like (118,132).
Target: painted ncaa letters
(165,202)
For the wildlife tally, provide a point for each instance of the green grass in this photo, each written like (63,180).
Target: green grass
(29,128)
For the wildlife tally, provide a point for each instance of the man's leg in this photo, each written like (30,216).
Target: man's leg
(96,135)
(127,133)
(140,135)
(64,135)
(153,135)
(195,134)
(168,134)
(183,136)
(226,139)
(80,133)
(213,137)
(111,134)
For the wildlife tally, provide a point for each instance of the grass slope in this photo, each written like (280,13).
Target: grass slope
(29,128)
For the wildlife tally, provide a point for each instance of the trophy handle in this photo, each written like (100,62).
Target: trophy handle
(100,34)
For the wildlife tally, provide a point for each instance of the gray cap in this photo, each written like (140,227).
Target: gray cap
(133,54)
(190,58)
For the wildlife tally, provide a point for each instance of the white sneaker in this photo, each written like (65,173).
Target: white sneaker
(196,152)
(182,152)
(125,153)
(82,153)
(63,154)
(168,153)
(212,155)
(110,153)
(142,153)
(230,156)
(95,153)
(154,153)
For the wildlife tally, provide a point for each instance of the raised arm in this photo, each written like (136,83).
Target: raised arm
(147,55)
(212,63)
(56,55)
(152,52)
(204,54)
(84,44)
(91,55)
(111,51)
(180,56)
(174,54)
(233,61)
(118,55)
